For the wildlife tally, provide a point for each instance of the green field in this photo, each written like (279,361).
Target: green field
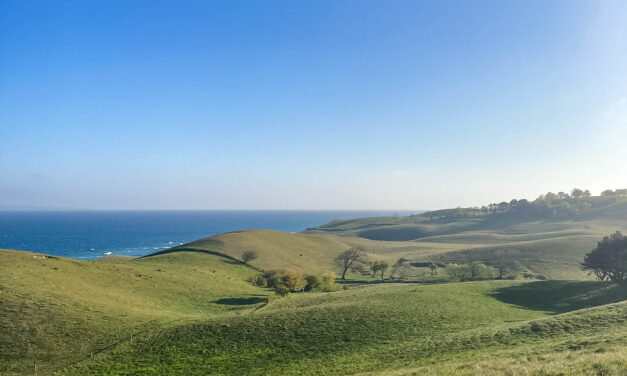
(190,310)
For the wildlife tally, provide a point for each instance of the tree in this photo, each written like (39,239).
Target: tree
(348,259)
(576,193)
(608,192)
(294,281)
(375,266)
(609,259)
(401,268)
(433,267)
(458,271)
(383,266)
(586,193)
(550,196)
(562,195)
(249,256)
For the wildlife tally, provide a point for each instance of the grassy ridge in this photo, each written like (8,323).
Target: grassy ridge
(370,329)
(56,310)
(581,213)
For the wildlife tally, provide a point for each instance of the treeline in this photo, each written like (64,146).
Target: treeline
(548,205)
(357,261)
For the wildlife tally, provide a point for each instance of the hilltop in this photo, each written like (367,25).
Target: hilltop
(517,217)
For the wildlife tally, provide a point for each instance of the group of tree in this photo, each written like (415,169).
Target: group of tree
(547,205)
(357,260)
(608,261)
(378,268)
(470,272)
(613,193)
(283,282)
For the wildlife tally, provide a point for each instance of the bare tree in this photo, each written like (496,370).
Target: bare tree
(249,256)
(348,259)
(383,267)
(433,267)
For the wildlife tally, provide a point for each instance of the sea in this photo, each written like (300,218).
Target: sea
(91,235)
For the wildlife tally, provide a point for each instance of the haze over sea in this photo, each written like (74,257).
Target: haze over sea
(92,234)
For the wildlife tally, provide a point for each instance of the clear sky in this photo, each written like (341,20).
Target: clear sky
(309,104)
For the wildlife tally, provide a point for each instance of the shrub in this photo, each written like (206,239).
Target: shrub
(258,280)
(273,277)
(313,283)
(281,290)
(294,281)
(279,280)
(328,281)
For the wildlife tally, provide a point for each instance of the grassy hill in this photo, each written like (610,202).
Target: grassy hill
(583,214)
(543,241)
(189,310)
(309,253)
(387,327)
(55,310)
(193,313)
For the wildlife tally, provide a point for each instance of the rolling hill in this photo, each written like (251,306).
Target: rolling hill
(391,327)
(190,310)
(54,311)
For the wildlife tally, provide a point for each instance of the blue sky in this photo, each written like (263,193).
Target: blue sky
(309,104)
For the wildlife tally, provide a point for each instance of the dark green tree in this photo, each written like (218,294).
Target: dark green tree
(609,259)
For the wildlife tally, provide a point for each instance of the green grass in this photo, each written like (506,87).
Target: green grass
(375,328)
(57,310)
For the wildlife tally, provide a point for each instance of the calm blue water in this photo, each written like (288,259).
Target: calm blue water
(91,234)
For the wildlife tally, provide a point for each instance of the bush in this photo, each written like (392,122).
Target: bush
(258,280)
(273,277)
(281,289)
(313,283)
(294,281)
(328,281)
(279,280)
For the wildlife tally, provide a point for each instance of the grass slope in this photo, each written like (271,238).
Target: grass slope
(382,328)
(305,252)
(56,310)
(552,248)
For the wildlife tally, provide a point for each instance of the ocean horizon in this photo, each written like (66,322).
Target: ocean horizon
(90,235)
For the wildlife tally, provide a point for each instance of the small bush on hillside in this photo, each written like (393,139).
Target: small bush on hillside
(273,277)
(258,280)
(281,290)
(328,281)
(313,283)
